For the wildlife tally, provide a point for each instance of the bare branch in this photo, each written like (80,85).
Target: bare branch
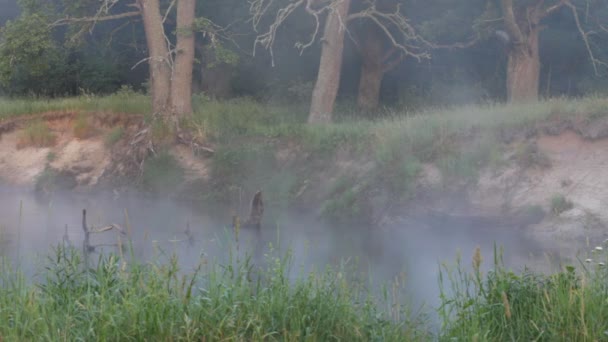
(390,65)
(585,37)
(260,8)
(549,10)
(168,11)
(93,19)
(404,36)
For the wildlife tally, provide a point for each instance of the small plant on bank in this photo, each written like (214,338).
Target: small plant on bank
(114,136)
(83,129)
(36,134)
(560,204)
(528,155)
(51,157)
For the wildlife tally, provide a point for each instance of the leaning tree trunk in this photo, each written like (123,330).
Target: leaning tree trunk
(158,55)
(372,68)
(328,78)
(181,83)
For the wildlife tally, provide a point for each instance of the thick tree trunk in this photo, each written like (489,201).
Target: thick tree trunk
(181,82)
(372,50)
(369,87)
(328,78)
(158,55)
(523,70)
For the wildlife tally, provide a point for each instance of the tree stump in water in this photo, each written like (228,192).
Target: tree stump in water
(256,212)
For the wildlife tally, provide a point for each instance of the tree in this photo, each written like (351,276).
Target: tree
(338,15)
(522,22)
(375,62)
(26,49)
(328,79)
(181,88)
(170,70)
(159,60)
(383,41)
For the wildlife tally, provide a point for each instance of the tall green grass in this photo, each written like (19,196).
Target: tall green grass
(118,299)
(570,305)
(128,103)
(158,301)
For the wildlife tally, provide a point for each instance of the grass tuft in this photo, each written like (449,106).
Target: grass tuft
(83,129)
(36,134)
(560,204)
(114,136)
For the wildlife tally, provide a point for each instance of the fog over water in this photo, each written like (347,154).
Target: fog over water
(30,226)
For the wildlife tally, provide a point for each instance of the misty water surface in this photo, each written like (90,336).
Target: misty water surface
(30,226)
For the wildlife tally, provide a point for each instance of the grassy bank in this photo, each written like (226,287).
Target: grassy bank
(248,138)
(125,101)
(119,300)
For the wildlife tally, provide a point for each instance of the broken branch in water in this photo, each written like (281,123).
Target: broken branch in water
(87,247)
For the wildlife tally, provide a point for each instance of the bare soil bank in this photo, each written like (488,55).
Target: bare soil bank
(558,160)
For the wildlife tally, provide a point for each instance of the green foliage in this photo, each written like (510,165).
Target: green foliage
(346,201)
(114,136)
(27,50)
(559,204)
(51,157)
(242,169)
(156,300)
(324,140)
(117,103)
(162,173)
(239,117)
